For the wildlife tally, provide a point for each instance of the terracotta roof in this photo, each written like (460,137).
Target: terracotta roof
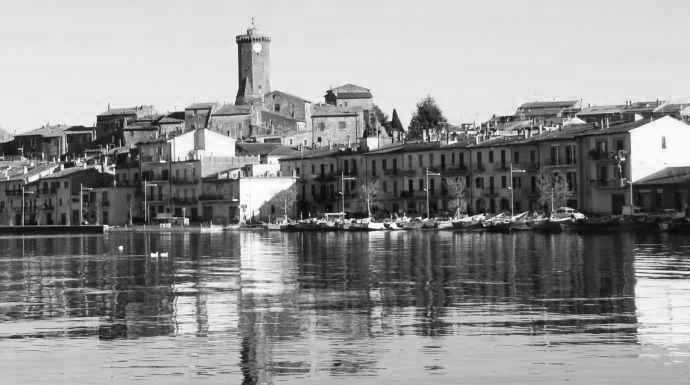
(46,132)
(201,106)
(549,104)
(669,175)
(70,171)
(600,110)
(288,95)
(231,109)
(124,111)
(324,110)
(406,147)
(349,87)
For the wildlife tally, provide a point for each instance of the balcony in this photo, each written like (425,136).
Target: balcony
(455,171)
(601,155)
(326,177)
(184,181)
(559,162)
(184,201)
(490,192)
(407,172)
(611,183)
(215,197)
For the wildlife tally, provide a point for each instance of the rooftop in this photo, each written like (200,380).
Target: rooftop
(46,131)
(288,95)
(231,109)
(127,110)
(559,104)
(201,106)
(669,175)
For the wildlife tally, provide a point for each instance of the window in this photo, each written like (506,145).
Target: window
(313,170)
(555,155)
(66,184)
(491,156)
(373,168)
(341,125)
(431,185)
(479,159)
(504,181)
(323,168)
(461,159)
(384,186)
(452,158)
(570,178)
(410,185)
(421,161)
(516,157)
(503,157)
(479,182)
(384,164)
(318,139)
(331,168)
(569,154)
(533,184)
(443,161)
(395,164)
(409,162)
(533,156)
(431,160)
(619,144)
(322,126)
(421,184)
(663,142)
(277,107)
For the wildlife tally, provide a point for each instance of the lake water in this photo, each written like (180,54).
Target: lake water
(378,308)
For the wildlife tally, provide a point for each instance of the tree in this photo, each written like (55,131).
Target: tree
(369,193)
(381,117)
(395,124)
(285,198)
(456,189)
(426,119)
(553,191)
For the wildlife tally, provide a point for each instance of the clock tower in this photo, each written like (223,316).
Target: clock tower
(254,65)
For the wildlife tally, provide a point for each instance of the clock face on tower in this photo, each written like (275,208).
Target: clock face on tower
(257,47)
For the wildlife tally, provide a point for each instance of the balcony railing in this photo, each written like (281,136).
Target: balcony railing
(214,197)
(185,201)
(611,183)
(184,180)
(455,171)
(598,154)
(559,162)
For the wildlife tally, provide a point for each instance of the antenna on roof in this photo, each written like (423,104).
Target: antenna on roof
(253,25)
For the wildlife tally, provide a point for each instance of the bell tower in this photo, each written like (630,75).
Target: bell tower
(254,65)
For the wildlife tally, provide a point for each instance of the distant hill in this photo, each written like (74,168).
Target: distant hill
(5,136)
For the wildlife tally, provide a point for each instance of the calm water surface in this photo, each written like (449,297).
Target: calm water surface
(380,308)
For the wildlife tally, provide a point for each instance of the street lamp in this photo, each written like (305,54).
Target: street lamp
(24,192)
(146,210)
(428,215)
(81,202)
(512,190)
(342,189)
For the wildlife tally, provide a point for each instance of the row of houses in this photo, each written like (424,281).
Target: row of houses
(597,167)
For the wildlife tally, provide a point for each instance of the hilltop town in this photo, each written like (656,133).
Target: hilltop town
(272,153)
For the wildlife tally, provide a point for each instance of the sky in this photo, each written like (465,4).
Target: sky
(64,61)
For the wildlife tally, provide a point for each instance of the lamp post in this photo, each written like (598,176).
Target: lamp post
(81,202)
(512,190)
(428,174)
(342,189)
(24,192)
(146,209)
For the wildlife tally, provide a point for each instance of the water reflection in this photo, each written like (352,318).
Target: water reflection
(308,307)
